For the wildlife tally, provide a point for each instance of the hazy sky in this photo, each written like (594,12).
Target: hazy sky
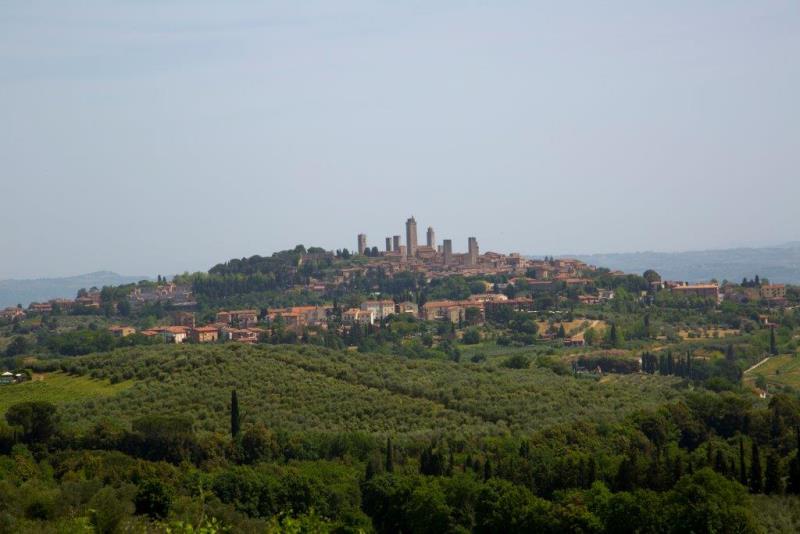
(161,136)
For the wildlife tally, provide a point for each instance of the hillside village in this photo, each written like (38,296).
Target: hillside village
(506,284)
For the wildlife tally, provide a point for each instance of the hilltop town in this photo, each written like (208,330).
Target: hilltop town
(499,285)
(415,365)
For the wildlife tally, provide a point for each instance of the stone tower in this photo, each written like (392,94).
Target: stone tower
(411,237)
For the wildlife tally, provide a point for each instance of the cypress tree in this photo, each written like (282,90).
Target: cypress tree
(773,346)
(389,456)
(756,481)
(626,474)
(773,477)
(370,471)
(742,467)
(720,465)
(591,471)
(794,468)
(677,468)
(613,338)
(729,354)
(487,470)
(236,421)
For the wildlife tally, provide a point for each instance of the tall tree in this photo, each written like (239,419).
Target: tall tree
(756,481)
(613,336)
(389,456)
(774,480)
(742,467)
(773,346)
(236,421)
(794,467)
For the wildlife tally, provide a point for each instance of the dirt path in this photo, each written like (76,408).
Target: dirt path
(579,335)
(756,365)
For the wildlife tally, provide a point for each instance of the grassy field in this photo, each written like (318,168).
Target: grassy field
(60,389)
(303,388)
(783,370)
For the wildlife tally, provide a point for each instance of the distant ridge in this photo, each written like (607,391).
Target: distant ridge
(780,264)
(13,292)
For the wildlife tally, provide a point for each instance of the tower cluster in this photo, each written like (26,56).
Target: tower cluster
(430,251)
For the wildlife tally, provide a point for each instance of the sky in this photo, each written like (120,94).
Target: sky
(166,136)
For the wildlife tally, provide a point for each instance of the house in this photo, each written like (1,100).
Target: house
(443,310)
(183,318)
(171,334)
(381,308)
(243,318)
(589,299)
(605,294)
(773,292)
(177,295)
(488,297)
(7,378)
(11,314)
(242,335)
(205,334)
(122,331)
(407,307)
(358,316)
(63,305)
(522,304)
(43,307)
(706,291)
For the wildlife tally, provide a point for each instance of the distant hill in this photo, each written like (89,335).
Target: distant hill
(779,264)
(13,292)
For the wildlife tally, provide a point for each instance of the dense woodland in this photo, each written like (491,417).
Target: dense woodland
(678,414)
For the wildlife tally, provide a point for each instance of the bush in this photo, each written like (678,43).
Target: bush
(471,336)
(518,361)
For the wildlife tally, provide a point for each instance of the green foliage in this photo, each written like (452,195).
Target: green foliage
(471,336)
(37,420)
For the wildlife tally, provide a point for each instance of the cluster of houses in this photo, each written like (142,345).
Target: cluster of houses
(248,325)
(176,294)
(89,300)
(772,294)
(7,378)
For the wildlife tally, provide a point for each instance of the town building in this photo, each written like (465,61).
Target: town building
(411,237)
(447,251)
(11,314)
(205,334)
(773,292)
(357,316)
(381,308)
(472,251)
(122,331)
(362,243)
(242,318)
(706,291)
(183,318)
